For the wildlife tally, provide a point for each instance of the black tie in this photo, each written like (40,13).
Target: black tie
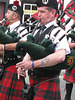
(39,33)
(42,29)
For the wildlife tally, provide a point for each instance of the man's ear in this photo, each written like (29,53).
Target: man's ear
(53,12)
(15,16)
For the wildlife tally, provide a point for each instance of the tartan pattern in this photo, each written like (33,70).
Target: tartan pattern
(49,90)
(60,6)
(10,86)
(70,75)
(70,9)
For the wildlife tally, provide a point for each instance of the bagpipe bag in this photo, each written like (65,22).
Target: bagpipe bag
(8,38)
(37,51)
(2,28)
(72,35)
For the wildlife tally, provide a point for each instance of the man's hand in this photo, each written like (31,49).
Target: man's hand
(1,47)
(1,53)
(26,65)
(21,72)
(21,67)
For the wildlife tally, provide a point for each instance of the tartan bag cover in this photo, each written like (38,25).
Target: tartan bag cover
(10,86)
(70,75)
(70,9)
(49,90)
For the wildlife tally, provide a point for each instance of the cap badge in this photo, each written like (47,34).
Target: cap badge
(14,8)
(45,2)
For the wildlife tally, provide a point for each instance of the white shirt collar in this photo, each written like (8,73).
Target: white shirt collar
(50,23)
(14,25)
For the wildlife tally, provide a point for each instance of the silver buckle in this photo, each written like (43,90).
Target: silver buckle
(4,62)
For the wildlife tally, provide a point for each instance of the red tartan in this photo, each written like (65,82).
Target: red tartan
(72,15)
(10,86)
(70,75)
(70,3)
(70,9)
(49,90)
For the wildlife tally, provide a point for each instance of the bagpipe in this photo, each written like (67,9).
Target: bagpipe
(3,24)
(2,29)
(12,37)
(9,37)
(40,50)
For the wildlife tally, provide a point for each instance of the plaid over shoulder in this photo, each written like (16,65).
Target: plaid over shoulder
(10,86)
(70,75)
(49,90)
(70,9)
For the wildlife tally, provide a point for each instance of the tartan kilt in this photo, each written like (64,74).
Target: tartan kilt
(47,90)
(69,75)
(10,86)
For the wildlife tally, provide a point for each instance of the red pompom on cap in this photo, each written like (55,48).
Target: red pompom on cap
(16,3)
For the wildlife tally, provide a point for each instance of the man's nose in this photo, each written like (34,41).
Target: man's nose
(6,14)
(39,14)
